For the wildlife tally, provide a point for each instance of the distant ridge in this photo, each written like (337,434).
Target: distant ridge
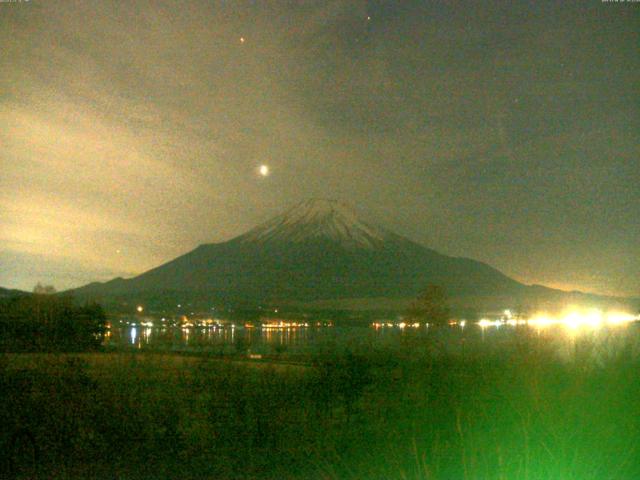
(7,293)
(317,252)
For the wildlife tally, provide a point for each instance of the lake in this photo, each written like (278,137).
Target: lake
(566,342)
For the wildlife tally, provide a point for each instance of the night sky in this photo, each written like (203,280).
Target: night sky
(131,132)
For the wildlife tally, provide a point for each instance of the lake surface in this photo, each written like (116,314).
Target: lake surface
(600,342)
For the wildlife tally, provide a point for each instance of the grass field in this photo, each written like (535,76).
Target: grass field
(520,413)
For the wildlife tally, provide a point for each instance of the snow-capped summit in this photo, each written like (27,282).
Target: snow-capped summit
(319,219)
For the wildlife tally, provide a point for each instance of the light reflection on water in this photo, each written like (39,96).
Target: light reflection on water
(318,340)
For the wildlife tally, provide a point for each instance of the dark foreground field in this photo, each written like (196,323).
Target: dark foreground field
(516,414)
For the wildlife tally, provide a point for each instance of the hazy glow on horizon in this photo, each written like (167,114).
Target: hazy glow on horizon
(573,318)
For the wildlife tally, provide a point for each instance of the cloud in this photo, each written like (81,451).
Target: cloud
(137,126)
(24,270)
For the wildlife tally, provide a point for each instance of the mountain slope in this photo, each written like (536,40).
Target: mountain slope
(319,251)
(8,293)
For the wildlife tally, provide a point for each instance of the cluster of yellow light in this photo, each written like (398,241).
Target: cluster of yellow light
(209,323)
(324,324)
(377,325)
(485,322)
(584,319)
(381,324)
(453,323)
(617,318)
(573,319)
(282,324)
(506,319)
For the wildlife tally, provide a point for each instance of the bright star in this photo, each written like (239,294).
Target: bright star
(264,170)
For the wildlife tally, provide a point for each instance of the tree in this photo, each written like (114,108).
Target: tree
(44,289)
(50,323)
(432,306)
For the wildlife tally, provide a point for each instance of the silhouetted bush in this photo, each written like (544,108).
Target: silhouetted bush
(49,323)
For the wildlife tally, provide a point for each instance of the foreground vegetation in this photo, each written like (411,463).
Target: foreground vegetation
(517,413)
(45,322)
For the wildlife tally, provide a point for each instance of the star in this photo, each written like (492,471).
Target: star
(264,170)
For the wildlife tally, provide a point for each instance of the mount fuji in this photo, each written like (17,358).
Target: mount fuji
(317,251)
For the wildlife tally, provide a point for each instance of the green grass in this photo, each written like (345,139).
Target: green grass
(516,413)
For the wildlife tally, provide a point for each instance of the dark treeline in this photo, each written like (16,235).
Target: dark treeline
(40,322)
